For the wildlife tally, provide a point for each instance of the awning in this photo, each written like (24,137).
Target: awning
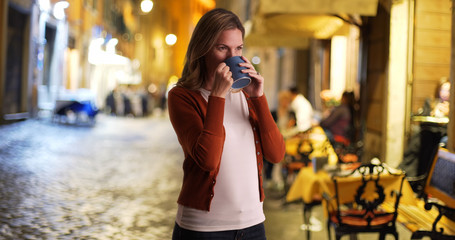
(291,23)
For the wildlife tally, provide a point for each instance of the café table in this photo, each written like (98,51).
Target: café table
(430,119)
(309,185)
(305,186)
(302,148)
(314,145)
(314,142)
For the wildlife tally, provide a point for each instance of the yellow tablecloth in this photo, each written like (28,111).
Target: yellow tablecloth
(315,141)
(306,186)
(309,184)
(349,185)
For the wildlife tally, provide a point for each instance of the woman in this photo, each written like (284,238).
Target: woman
(340,122)
(438,106)
(424,142)
(224,135)
(441,105)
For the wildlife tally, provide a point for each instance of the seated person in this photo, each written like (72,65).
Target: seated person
(431,137)
(441,105)
(295,113)
(340,121)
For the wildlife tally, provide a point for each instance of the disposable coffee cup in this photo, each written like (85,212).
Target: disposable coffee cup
(241,80)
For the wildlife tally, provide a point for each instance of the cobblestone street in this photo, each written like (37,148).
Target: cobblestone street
(116,180)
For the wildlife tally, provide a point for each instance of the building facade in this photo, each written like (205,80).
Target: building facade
(392,54)
(55,50)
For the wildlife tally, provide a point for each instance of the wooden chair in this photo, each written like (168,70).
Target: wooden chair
(436,234)
(356,205)
(440,185)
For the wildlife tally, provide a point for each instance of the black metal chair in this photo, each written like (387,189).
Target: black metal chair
(361,211)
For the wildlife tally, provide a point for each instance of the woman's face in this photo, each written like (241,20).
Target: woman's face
(444,92)
(228,44)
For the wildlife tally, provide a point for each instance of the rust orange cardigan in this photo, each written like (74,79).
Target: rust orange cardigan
(199,128)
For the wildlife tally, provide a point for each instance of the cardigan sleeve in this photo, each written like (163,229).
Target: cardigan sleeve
(272,141)
(201,140)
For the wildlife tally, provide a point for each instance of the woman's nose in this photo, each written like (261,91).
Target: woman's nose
(233,53)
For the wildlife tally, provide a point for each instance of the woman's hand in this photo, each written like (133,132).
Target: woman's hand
(222,81)
(441,109)
(256,87)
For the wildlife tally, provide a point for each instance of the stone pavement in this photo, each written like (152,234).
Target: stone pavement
(117,179)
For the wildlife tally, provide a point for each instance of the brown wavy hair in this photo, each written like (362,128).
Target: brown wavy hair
(204,37)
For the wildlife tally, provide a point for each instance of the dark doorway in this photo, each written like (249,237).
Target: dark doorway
(17,22)
(48,54)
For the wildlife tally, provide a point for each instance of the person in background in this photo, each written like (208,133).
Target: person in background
(110,103)
(283,115)
(428,136)
(285,119)
(339,124)
(440,107)
(119,101)
(300,114)
(225,136)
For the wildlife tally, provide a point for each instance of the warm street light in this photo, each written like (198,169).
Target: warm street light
(59,9)
(44,5)
(146,6)
(171,39)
